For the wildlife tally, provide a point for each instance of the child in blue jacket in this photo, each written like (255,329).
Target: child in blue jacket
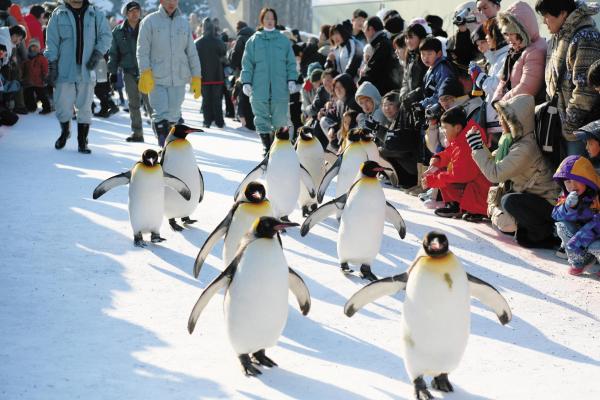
(576,212)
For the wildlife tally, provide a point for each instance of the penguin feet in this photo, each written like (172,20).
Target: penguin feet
(262,359)
(174,225)
(365,273)
(138,241)
(442,383)
(421,392)
(249,369)
(346,269)
(155,238)
(188,220)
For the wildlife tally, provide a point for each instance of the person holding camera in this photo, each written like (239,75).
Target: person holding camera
(460,48)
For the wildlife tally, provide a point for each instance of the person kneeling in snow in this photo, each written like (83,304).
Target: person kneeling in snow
(576,213)
(453,171)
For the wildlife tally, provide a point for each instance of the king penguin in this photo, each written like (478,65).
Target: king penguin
(312,156)
(363,212)
(236,224)
(256,287)
(147,182)
(283,174)
(436,314)
(178,159)
(368,142)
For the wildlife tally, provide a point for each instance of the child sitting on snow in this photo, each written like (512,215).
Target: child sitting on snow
(576,213)
(369,99)
(463,186)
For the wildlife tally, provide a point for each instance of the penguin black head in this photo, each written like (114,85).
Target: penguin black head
(255,192)
(149,158)
(371,168)
(267,227)
(305,133)
(354,135)
(283,133)
(180,131)
(435,244)
(366,136)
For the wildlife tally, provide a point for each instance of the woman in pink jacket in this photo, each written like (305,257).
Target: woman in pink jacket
(523,71)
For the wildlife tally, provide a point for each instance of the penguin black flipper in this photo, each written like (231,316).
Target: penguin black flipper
(393,217)
(327,209)
(201,186)
(298,287)
(328,177)
(307,181)
(178,185)
(219,232)
(390,171)
(488,295)
(221,281)
(112,182)
(253,175)
(375,290)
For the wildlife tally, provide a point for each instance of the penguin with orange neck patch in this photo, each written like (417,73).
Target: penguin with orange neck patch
(178,159)
(146,182)
(436,313)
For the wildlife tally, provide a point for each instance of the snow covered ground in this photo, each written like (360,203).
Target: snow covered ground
(84,314)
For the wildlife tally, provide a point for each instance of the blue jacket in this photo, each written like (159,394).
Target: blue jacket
(268,65)
(166,46)
(441,70)
(61,41)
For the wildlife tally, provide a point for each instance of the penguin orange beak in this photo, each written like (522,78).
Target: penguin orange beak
(381,169)
(281,226)
(192,130)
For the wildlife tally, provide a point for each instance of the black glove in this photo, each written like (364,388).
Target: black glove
(371,124)
(52,73)
(474,140)
(93,61)
(113,78)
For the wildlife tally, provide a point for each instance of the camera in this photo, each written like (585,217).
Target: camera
(434,112)
(464,17)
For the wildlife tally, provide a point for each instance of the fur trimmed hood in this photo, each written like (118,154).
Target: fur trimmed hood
(518,112)
(581,16)
(520,18)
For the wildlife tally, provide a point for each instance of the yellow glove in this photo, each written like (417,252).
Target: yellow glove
(146,83)
(196,85)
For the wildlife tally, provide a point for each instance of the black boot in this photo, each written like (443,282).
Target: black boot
(82,138)
(266,140)
(162,130)
(65,133)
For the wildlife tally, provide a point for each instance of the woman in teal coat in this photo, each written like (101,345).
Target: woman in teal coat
(268,76)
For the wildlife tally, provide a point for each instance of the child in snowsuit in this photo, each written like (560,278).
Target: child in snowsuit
(36,72)
(576,213)
(463,186)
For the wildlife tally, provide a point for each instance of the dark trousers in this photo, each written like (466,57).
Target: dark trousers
(229,109)
(35,94)
(532,213)
(405,167)
(102,92)
(212,109)
(245,110)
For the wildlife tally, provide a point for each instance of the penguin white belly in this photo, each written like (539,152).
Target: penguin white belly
(146,199)
(242,221)
(283,181)
(435,319)
(312,158)
(351,162)
(179,161)
(361,226)
(256,303)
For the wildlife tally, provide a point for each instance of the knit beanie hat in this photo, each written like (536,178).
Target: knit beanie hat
(315,75)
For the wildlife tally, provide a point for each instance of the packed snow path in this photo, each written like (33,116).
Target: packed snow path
(85,315)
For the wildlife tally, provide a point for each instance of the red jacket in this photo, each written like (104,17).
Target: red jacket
(456,164)
(36,71)
(35,30)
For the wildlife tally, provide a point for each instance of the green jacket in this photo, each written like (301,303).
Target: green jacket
(268,65)
(122,49)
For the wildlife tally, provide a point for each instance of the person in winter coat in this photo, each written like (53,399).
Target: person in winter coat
(577,212)
(268,76)
(346,55)
(382,69)
(488,79)
(590,136)
(211,49)
(244,32)
(573,47)
(523,71)
(36,73)
(11,38)
(439,69)
(463,186)
(368,98)
(523,172)
(415,70)
(77,38)
(34,24)
(344,89)
(123,54)
(167,60)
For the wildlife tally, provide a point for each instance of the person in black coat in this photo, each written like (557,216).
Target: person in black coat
(211,50)
(382,70)
(243,34)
